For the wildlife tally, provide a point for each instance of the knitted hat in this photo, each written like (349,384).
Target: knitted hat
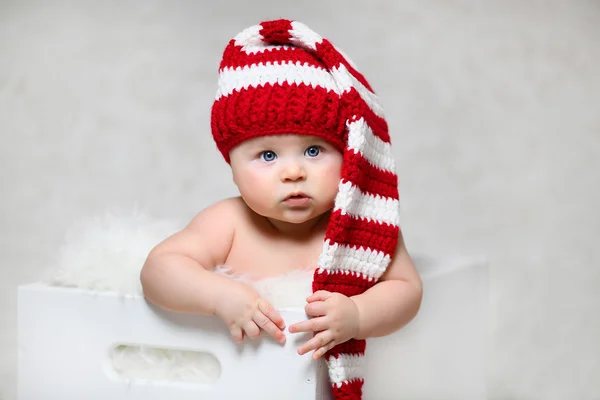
(280,77)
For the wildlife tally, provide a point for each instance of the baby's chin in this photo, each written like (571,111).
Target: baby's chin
(298,215)
(297,220)
(291,215)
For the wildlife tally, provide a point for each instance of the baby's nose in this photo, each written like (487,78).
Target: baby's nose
(293,172)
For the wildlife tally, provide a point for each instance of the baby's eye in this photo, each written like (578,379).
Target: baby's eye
(313,151)
(268,156)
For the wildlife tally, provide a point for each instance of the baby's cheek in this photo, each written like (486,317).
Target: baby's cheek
(253,176)
(336,165)
(259,183)
(333,173)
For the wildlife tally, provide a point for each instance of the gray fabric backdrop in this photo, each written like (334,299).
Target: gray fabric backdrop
(494,109)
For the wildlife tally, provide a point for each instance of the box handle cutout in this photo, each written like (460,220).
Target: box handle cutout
(147,363)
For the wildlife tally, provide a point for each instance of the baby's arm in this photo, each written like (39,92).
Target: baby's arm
(382,309)
(177,276)
(394,301)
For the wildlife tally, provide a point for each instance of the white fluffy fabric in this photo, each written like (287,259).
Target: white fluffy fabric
(106,253)
(156,364)
(287,290)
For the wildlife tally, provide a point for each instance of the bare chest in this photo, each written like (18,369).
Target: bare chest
(262,257)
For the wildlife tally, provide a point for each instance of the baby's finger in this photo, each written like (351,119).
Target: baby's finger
(267,309)
(236,334)
(322,350)
(316,309)
(322,339)
(319,295)
(311,325)
(251,329)
(268,326)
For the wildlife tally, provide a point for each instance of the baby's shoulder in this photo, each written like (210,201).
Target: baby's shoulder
(225,207)
(208,237)
(226,213)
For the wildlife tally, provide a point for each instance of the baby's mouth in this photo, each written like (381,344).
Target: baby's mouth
(296,195)
(297,199)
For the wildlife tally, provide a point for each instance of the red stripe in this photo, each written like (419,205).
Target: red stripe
(348,390)
(368,178)
(277,109)
(277,31)
(333,58)
(351,347)
(358,232)
(358,107)
(348,284)
(235,57)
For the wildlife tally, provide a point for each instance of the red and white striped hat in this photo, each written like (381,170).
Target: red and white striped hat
(280,77)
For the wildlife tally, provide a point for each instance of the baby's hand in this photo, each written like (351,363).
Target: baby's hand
(242,309)
(334,316)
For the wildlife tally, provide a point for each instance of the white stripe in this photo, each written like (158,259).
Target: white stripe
(249,38)
(231,80)
(350,200)
(261,47)
(347,81)
(362,140)
(344,368)
(367,262)
(303,36)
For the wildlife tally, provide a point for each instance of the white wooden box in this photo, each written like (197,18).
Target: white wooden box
(66,335)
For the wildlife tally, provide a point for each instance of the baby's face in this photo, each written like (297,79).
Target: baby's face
(268,170)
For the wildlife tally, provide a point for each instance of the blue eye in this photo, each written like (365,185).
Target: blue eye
(312,151)
(268,156)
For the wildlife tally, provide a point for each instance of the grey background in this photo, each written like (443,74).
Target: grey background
(494,110)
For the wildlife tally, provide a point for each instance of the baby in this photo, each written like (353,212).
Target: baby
(310,153)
